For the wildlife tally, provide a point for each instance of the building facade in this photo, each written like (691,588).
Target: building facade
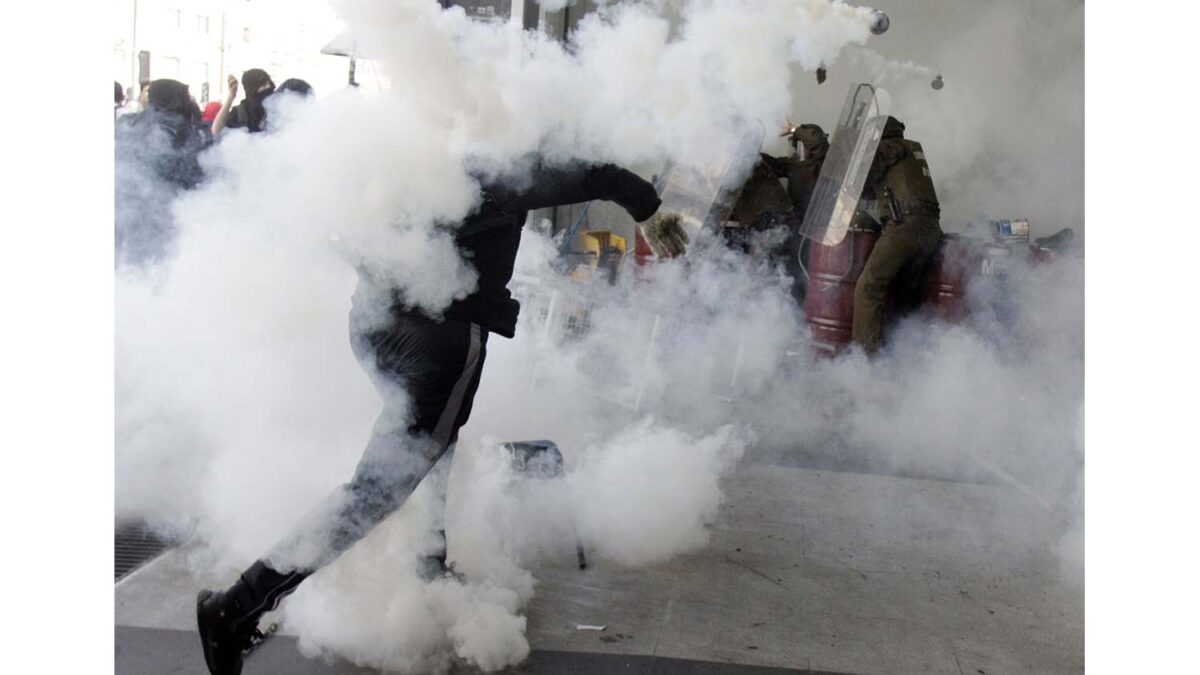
(201,42)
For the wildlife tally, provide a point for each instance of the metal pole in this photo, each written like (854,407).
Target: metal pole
(133,55)
(221,75)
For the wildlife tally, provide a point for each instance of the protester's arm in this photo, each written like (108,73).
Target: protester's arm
(663,231)
(219,122)
(578,183)
(583,183)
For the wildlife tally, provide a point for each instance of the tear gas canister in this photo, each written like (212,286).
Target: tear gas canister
(879,22)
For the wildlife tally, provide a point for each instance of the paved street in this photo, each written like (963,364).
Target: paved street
(807,570)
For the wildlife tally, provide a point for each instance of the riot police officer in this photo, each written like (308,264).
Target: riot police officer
(909,211)
(810,145)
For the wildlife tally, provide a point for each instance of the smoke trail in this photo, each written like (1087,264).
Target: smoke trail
(885,72)
(1004,138)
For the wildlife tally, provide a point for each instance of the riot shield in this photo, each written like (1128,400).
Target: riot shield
(844,172)
(703,187)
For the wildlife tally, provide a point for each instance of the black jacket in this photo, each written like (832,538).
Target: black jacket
(489,238)
(249,115)
(165,143)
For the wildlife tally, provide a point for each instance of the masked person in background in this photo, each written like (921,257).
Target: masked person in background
(291,90)
(155,158)
(295,85)
(427,368)
(908,206)
(171,115)
(249,114)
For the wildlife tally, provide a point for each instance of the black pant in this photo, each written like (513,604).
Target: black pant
(428,373)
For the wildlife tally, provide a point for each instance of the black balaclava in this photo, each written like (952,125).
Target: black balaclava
(170,96)
(170,108)
(171,103)
(295,85)
(252,81)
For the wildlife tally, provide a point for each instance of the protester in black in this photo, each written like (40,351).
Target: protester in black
(437,361)
(156,153)
(295,85)
(172,109)
(249,114)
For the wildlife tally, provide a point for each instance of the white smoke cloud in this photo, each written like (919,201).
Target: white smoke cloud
(404,624)
(1004,137)
(240,404)
(648,495)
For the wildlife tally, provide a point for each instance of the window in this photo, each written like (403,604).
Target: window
(200,73)
(245,35)
(202,24)
(143,60)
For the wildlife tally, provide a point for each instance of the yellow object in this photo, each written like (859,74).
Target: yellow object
(582,272)
(586,244)
(606,240)
(593,249)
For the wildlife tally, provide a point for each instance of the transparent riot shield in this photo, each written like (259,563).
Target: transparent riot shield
(703,187)
(844,172)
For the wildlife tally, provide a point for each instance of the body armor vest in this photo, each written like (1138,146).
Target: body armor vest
(906,177)
(760,195)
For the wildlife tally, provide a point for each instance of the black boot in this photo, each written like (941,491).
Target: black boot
(226,632)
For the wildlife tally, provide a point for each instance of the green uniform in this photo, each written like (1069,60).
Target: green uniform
(802,173)
(802,170)
(764,203)
(761,195)
(802,179)
(908,208)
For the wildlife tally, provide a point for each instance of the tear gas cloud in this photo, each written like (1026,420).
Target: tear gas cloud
(240,405)
(1004,137)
